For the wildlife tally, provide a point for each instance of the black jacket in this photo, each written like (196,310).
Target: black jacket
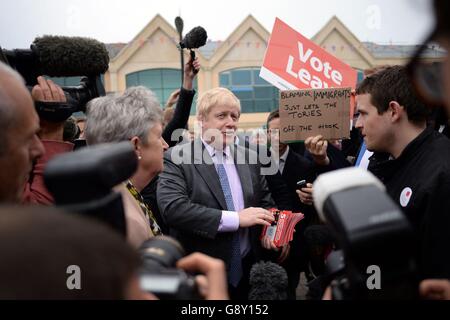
(191,200)
(180,116)
(424,168)
(179,121)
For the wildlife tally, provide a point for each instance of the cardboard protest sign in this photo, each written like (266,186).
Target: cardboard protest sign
(306,113)
(294,62)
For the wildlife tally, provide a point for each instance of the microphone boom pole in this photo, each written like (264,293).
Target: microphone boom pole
(179,25)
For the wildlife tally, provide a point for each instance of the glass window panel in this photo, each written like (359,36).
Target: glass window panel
(246,84)
(224,79)
(193,108)
(263,92)
(360,77)
(264,105)
(276,92)
(243,92)
(132,79)
(247,106)
(166,95)
(241,77)
(159,94)
(171,78)
(257,79)
(150,79)
(66,81)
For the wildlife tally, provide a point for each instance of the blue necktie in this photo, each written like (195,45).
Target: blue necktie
(235,272)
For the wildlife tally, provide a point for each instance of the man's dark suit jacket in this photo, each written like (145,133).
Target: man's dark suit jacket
(191,200)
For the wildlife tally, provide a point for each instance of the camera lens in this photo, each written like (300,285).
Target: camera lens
(160,253)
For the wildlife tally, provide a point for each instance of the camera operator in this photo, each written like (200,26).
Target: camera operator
(51,135)
(19,143)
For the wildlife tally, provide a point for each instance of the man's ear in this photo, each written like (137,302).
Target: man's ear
(396,110)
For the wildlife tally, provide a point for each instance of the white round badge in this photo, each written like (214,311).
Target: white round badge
(405,196)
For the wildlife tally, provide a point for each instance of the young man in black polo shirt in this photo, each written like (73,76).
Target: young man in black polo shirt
(392,120)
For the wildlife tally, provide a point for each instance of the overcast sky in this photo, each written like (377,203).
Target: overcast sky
(380,21)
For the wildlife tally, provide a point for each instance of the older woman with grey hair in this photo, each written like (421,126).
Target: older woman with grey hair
(135,116)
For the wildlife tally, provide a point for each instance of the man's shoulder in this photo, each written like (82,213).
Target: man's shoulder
(179,150)
(437,149)
(296,158)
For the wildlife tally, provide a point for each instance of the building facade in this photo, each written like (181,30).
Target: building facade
(152,59)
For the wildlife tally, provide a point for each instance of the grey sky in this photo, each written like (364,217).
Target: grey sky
(381,21)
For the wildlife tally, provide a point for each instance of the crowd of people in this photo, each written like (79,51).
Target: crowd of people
(210,192)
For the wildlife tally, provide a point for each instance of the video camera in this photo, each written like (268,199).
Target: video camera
(377,257)
(159,274)
(57,56)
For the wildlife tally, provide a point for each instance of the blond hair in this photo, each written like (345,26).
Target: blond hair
(214,97)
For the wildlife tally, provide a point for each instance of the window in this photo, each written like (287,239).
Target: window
(360,76)
(161,81)
(71,81)
(255,94)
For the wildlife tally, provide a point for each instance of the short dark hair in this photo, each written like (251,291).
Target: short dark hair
(273,115)
(38,244)
(393,84)
(441,11)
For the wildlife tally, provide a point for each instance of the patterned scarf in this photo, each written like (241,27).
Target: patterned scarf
(148,213)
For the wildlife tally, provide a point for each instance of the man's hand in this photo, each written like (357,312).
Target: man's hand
(252,216)
(285,251)
(173,98)
(268,244)
(189,74)
(213,283)
(48,91)
(328,294)
(435,289)
(306,194)
(317,147)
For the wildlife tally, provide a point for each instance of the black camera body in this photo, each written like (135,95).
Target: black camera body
(377,257)
(158,273)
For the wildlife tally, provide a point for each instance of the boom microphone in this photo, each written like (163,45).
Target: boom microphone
(268,281)
(59,56)
(194,39)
